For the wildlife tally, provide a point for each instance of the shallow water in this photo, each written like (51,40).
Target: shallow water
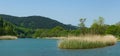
(45,47)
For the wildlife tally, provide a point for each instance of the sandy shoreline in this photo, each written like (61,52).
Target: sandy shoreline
(8,37)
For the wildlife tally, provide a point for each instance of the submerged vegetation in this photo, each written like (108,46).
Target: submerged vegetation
(86,42)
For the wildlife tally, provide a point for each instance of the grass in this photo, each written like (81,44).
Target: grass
(87,42)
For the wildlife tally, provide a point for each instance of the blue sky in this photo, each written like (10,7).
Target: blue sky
(65,11)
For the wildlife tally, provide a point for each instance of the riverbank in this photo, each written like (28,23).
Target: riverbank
(87,42)
(8,37)
(58,38)
(118,40)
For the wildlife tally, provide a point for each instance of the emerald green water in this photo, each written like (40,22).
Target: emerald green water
(45,47)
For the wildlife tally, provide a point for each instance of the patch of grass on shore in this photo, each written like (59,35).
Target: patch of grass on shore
(87,42)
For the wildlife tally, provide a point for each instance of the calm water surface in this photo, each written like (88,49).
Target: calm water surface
(45,47)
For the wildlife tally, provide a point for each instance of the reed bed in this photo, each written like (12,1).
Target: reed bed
(87,42)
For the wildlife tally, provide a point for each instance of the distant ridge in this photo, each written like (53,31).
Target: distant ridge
(35,22)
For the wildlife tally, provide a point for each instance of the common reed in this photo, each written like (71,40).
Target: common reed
(87,42)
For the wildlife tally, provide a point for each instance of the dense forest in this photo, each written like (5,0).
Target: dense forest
(35,22)
(97,28)
(6,28)
(34,26)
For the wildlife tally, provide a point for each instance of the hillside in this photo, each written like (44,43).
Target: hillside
(35,22)
(6,28)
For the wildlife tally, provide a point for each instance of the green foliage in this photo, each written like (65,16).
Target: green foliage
(1,26)
(55,32)
(82,26)
(74,32)
(82,22)
(6,28)
(24,32)
(117,24)
(38,26)
(35,22)
(98,27)
(114,30)
(39,33)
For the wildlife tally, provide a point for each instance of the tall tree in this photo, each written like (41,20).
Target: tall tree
(101,21)
(82,22)
(98,27)
(82,26)
(1,26)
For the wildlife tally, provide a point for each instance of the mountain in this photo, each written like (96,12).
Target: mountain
(35,22)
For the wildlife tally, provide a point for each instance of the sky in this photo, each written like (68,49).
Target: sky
(65,11)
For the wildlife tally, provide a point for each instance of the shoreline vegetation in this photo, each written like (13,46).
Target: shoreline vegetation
(118,39)
(101,34)
(57,38)
(87,42)
(8,37)
(60,38)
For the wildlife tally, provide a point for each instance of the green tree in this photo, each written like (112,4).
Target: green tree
(101,21)
(98,27)
(118,24)
(38,33)
(82,26)
(56,31)
(1,26)
(114,30)
(82,23)
(74,32)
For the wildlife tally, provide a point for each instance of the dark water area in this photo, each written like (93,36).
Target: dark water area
(47,47)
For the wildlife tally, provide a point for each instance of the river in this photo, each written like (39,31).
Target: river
(48,47)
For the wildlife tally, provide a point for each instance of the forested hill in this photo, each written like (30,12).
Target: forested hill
(35,22)
(6,28)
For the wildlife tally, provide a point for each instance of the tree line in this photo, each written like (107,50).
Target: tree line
(97,28)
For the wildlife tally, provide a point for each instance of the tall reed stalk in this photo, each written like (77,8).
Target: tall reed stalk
(86,42)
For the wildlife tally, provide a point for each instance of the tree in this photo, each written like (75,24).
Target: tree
(1,26)
(98,27)
(101,21)
(74,32)
(118,24)
(82,23)
(38,33)
(56,31)
(82,26)
(114,30)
